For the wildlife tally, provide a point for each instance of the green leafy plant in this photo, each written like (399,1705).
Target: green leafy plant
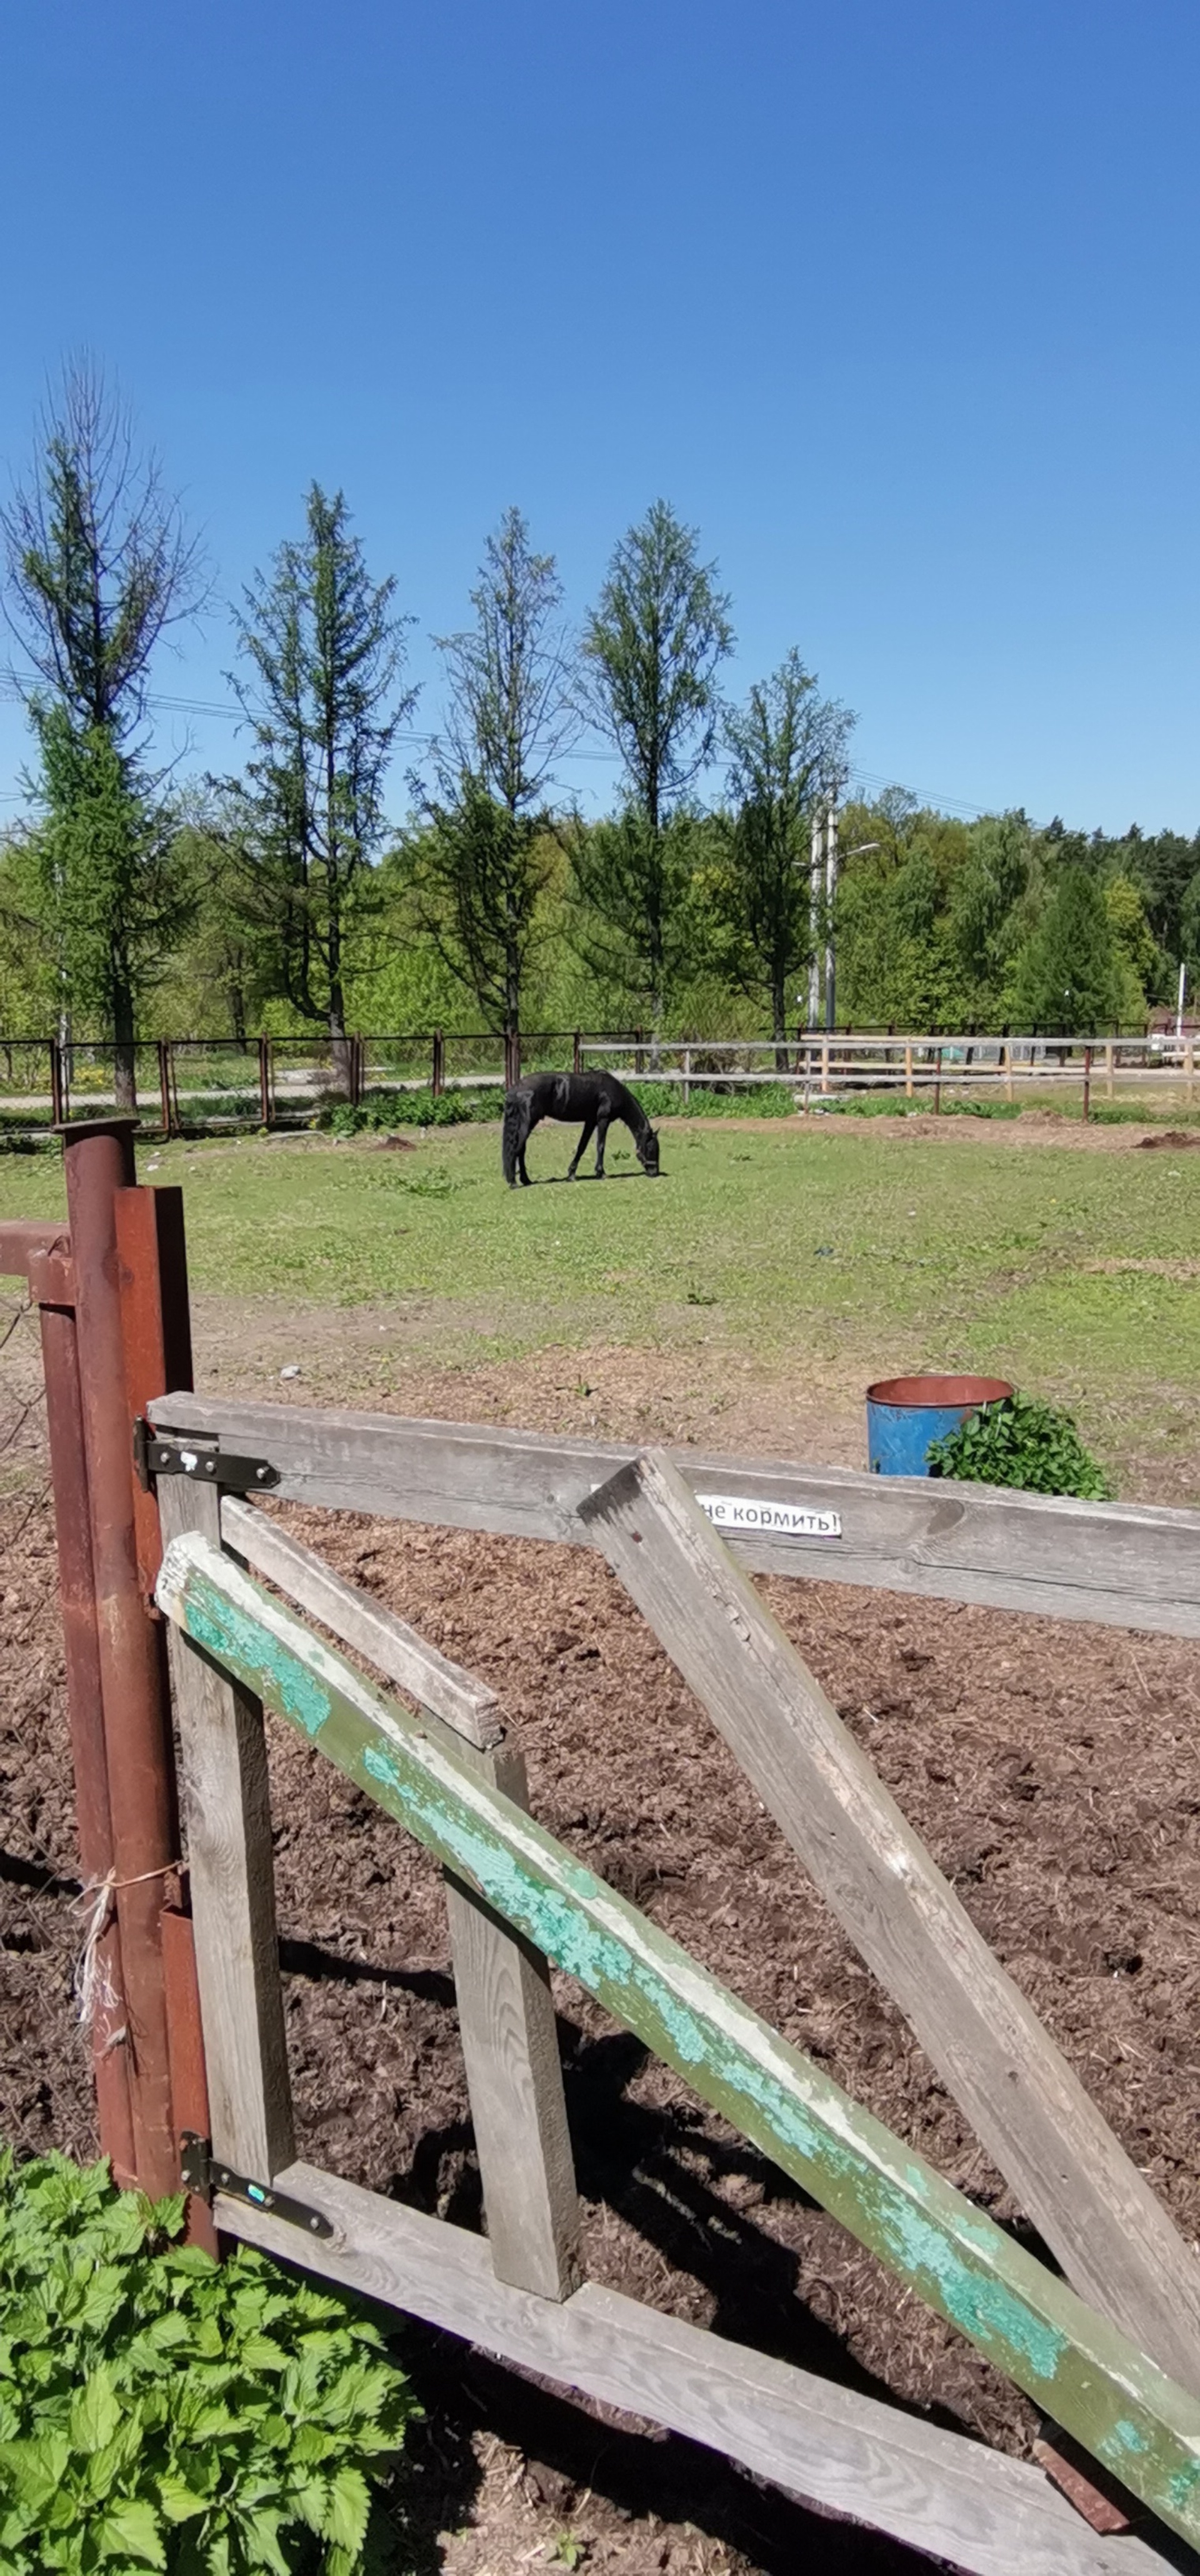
(1021,1441)
(160,2410)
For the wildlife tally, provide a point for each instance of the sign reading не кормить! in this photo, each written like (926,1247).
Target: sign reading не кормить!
(743,1515)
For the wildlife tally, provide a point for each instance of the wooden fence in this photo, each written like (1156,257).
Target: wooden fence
(202,1083)
(1110,2349)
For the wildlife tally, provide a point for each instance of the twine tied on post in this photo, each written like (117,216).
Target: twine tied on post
(93,1986)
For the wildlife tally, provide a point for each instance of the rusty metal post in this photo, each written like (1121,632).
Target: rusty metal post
(52,1288)
(57,1102)
(438,1076)
(164,1084)
(156,1338)
(98,1156)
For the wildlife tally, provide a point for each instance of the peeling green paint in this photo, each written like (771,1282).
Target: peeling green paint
(230,1635)
(1129,2437)
(1023,2317)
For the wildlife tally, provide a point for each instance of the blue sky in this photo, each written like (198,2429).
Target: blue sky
(897,304)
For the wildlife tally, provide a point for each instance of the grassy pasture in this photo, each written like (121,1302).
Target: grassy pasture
(1072,1272)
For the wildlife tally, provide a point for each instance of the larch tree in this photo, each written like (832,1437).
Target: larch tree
(322,692)
(99,566)
(488,850)
(652,649)
(787,750)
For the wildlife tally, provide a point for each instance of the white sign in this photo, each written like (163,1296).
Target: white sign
(742,1514)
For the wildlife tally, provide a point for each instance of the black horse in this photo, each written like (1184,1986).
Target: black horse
(596,1098)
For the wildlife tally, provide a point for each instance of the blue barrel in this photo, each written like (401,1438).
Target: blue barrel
(904,1414)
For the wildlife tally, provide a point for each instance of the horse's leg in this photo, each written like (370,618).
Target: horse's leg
(589,1129)
(602,1123)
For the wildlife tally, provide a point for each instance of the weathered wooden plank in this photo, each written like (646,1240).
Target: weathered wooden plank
(514,2074)
(985,2513)
(1072,2362)
(1121,1565)
(228,1816)
(458,1697)
(505,2008)
(1096,2212)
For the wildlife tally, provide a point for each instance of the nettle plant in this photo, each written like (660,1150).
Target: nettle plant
(160,2410)
(1021,1441)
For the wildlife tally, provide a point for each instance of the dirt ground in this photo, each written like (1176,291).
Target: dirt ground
(1050,1767)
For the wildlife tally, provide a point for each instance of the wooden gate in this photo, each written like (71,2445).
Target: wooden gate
(1111,2351)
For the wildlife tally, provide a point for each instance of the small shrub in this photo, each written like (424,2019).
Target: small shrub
(160,2410)
(1021,1441)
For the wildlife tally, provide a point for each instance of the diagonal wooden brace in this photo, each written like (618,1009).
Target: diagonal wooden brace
(1099,2216)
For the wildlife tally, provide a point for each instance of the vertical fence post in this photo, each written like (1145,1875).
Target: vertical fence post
(98,1156)
(937,1083)
(164,1084)
(157,1351)
(264,1082)
(686,1085)
(824,1064)
(1108,1070)
(437,1078)
(1087,1082)
(54,1294)
(908,1070)
(1008,1071)
(58,1109)
(1189,1067)
(577,1052)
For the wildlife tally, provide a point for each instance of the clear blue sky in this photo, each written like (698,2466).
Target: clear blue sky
(897,303)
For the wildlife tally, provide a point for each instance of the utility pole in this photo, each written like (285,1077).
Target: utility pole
(831,863)
(814,927)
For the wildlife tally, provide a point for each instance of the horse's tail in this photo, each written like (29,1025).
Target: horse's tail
(510,1142)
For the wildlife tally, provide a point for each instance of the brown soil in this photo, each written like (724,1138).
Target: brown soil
(1051,1769)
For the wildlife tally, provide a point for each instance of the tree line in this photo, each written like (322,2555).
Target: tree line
(291,896)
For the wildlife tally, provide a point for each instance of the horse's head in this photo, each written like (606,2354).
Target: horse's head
(647,1151)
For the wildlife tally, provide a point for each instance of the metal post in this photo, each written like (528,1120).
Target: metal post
(57,1102)
(98,1156)
(264,1082)
(937,1085)
(164,1084)
(577,1052)
(1087,1082)
(156,1334)
(52,1287)
(156,1341)
(437,1082)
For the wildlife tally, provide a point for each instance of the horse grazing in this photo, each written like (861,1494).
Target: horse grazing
(596,1098)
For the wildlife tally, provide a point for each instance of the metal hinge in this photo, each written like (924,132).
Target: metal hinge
(201,2173)
(153,1456)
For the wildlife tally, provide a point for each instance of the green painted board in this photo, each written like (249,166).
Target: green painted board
(1081,2370)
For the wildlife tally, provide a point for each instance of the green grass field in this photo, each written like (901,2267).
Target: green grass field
(1067,1271)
